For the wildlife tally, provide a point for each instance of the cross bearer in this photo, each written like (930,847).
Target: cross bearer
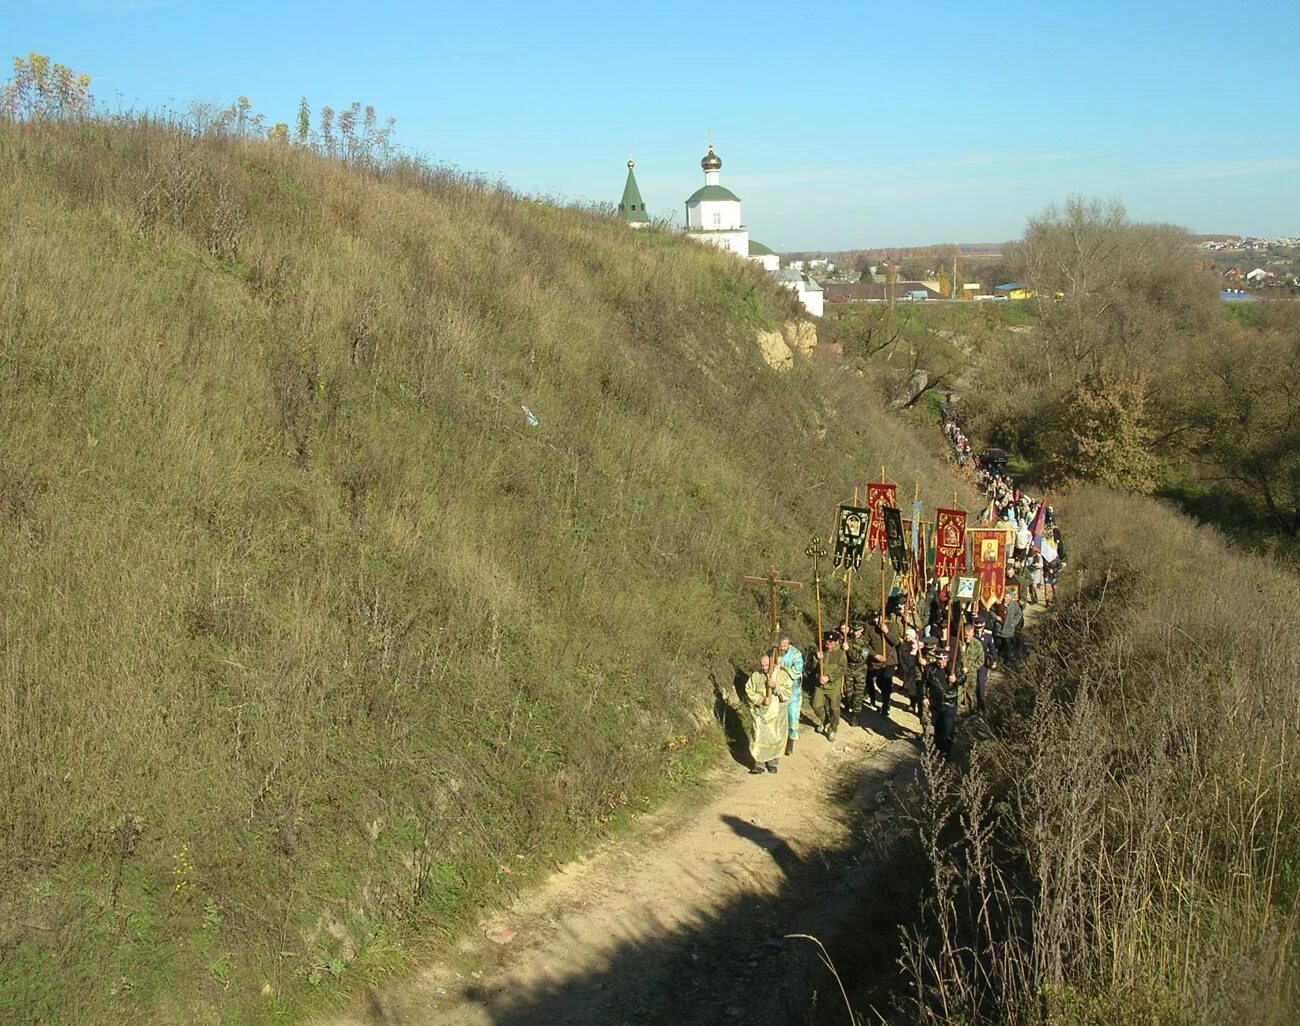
(767,692)
(790,659)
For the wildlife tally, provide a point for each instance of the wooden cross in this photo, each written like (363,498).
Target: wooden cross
(773,581)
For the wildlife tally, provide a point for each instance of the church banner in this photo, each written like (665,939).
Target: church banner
(989,547)
(895,539)
(950,541)
(851,536)
(879,495)
(912,531)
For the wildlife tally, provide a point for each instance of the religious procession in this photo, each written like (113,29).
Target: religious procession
(952,610)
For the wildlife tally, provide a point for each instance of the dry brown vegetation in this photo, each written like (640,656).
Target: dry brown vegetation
(1125,846)
(307,629)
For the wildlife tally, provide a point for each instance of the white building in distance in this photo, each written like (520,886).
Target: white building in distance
(713,211)
(713,216)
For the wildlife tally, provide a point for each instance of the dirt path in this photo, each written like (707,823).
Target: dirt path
(682,921)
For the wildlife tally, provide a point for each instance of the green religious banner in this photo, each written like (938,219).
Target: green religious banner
(851,536)
(895,539)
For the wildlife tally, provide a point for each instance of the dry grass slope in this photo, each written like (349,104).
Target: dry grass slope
(306,629)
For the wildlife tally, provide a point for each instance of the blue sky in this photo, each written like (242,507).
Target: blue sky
(839,125)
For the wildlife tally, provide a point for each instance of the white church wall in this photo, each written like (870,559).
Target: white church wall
(713,215)
(732,242)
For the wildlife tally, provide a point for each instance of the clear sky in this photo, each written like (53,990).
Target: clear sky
(840,125)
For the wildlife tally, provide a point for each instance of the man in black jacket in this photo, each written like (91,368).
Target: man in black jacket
(942,686)
(909,670)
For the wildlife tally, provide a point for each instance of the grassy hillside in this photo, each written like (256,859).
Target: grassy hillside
(307,628)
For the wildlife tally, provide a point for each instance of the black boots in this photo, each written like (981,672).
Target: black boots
(789,746)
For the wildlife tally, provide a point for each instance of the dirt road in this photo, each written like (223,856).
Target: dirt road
(682,921)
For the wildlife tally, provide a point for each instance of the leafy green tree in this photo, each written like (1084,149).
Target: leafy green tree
(1119,307)
(868,331)
(1106,430)
(1244,412)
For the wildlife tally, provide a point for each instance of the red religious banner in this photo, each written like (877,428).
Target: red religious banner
(988,546)
(950,541)
(878,497)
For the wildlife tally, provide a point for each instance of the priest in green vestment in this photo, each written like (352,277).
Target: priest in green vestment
(767,693)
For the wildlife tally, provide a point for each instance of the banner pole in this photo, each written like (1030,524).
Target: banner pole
(884,643)
(848,578)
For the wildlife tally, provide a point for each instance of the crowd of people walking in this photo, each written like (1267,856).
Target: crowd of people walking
(932,651)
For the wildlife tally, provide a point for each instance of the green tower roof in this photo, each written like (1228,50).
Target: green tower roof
(713,192)
(632,207)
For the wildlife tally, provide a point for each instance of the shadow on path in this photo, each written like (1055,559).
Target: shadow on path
(734,965)
(769,841)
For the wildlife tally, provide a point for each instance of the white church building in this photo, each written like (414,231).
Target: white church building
(713,216)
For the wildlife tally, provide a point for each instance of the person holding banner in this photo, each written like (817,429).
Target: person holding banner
(891,633)
(832,666)
(985,637)
(909,671)
(857,656)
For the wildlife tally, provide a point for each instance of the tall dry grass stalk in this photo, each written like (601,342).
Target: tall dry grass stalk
(1125,846)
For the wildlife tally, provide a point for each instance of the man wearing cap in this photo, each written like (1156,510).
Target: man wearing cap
(942,688)
(832,666)
(856,658)
(768,693)
(790,659)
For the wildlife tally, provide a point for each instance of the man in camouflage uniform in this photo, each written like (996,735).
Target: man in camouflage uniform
(972,664)
(857,658)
